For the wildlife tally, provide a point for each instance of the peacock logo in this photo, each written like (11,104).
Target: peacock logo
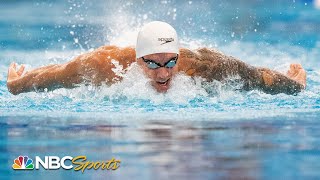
(22,163)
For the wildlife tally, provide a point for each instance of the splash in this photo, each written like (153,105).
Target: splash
(136,86)
(93,24)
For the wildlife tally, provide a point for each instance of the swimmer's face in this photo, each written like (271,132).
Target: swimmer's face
(161,77)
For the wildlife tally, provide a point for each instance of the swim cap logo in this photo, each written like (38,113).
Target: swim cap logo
(22,163)
(166,40)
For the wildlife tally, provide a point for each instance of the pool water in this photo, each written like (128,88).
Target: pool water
(196,130)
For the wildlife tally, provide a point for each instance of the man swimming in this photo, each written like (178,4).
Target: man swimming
(157,52)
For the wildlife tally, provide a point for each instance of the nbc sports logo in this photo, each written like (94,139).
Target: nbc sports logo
(79,163)
(22,163)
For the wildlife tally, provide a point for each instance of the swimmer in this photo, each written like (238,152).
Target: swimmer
(158,53)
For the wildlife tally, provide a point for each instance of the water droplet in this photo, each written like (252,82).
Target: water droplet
(145,16)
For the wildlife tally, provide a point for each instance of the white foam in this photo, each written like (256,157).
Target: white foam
(136,86)
(118,68)
(123,29)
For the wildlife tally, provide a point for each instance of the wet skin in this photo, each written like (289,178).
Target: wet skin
(161,77)
(96,68)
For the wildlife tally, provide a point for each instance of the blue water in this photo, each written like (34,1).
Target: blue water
(194,131)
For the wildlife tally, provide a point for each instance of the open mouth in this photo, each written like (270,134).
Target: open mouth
(163,83)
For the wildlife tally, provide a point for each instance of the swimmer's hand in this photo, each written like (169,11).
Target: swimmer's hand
(13,75)
(297,73)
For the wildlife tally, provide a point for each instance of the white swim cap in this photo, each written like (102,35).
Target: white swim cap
(157,37)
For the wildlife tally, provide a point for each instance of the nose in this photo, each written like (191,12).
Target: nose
(163,73)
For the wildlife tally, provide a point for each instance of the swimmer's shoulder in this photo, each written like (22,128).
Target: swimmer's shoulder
(201,53)
(124,55)
(201,61)
(115,50)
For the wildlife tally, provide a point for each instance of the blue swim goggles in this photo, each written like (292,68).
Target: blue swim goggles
(154,65)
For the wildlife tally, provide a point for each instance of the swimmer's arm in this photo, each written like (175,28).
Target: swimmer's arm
(275,82)
(93,68)
(213,65)
(48,77)
(269,81)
